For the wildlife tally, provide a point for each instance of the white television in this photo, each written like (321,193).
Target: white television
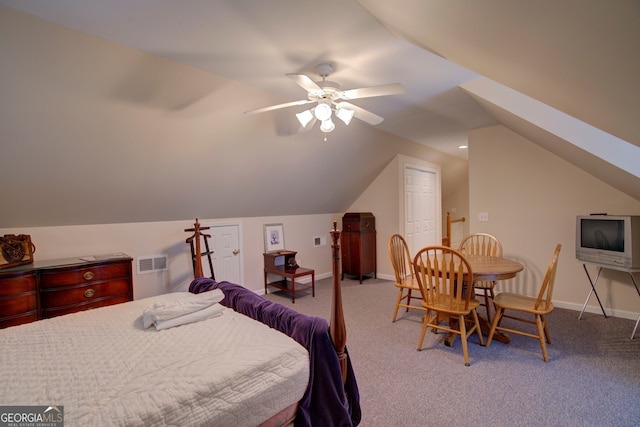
(609,240)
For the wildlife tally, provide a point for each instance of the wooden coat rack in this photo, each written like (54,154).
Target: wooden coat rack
(196,251)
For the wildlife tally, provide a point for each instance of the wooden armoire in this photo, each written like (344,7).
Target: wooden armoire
(358,242)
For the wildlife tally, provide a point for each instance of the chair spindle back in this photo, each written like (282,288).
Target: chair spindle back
(546,290)
(443,275)
(483,244)
(400,258)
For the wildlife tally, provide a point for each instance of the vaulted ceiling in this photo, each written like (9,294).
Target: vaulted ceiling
(562,73)
(567,71)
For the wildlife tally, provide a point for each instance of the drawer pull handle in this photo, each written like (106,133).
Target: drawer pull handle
(89,293)
(88,275)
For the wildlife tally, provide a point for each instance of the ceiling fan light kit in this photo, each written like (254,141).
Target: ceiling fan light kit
(327,95)
(322,111)
(327,126)
(305,117)
(345,114)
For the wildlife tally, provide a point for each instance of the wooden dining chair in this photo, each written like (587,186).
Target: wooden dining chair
(405,278)
(443,275)
(485,245)
(539,307)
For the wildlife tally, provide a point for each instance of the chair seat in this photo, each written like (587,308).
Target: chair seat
(511,301)
(409,283)
(450,306)
(539,306)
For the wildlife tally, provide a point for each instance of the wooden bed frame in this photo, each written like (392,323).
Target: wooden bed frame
(326,395)
(337,326)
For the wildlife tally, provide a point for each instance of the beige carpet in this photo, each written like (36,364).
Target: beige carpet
(592,377)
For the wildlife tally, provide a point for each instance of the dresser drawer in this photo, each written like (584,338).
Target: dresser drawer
(18,298)
(83,294)
(18,284)
(20,319)
(90,274)
(19,304)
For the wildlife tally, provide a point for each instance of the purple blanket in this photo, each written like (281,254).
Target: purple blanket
(324,402)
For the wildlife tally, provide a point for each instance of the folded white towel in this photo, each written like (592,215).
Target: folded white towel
(166,310)
(211,311)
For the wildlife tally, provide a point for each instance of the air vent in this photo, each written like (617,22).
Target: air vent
(152,263)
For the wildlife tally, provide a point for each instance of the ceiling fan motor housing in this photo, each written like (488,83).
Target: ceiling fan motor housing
(330,90)
(323,70)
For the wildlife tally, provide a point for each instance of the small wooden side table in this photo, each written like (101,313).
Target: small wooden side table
(283,263)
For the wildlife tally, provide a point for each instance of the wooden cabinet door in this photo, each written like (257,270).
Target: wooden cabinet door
(350,253)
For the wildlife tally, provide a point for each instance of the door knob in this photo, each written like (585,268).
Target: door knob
(236,251)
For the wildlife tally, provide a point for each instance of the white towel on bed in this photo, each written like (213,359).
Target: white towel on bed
(187,307)
(211,311)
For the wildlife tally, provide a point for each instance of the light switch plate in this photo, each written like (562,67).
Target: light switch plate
(483,216)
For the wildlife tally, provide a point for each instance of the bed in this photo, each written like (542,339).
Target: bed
(252,363)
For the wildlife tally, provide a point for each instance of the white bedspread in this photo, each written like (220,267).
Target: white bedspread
(106,369)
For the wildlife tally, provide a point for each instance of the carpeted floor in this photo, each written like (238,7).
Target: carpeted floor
(592,377)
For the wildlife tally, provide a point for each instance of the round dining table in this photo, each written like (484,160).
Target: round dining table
(490,268)
(493,268)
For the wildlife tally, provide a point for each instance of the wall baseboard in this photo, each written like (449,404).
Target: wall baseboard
(623,314)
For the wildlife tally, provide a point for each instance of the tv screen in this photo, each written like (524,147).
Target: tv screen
(602,234)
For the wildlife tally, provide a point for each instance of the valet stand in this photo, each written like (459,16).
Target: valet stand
(196,251)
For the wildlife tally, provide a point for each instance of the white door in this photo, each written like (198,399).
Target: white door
(227,254)
(421,204)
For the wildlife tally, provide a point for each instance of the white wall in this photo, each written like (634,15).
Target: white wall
(532,198)
(384,198)
(154,238)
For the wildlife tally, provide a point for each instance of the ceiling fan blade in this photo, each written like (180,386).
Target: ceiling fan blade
(361,113)
(278,106)
(368,92)
(305,82)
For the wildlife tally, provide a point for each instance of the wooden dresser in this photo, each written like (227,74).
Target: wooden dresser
(358,241)
(51,288)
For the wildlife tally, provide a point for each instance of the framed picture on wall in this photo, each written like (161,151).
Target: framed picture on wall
(273,238)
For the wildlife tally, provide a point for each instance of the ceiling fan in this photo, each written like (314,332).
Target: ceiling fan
(330,98)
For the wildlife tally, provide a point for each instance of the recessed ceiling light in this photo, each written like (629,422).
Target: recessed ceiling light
(463,146)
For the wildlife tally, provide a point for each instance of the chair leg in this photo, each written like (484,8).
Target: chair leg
(543,346)
(546,329)
(496,319)
(463,338)
(425,325)
(408,299)
(477,327)
(395,312)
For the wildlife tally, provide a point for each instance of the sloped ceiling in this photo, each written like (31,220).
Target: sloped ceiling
(580,58)
(258,42)
(183,142)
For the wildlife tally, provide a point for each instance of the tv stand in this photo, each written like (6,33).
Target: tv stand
(593,284)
